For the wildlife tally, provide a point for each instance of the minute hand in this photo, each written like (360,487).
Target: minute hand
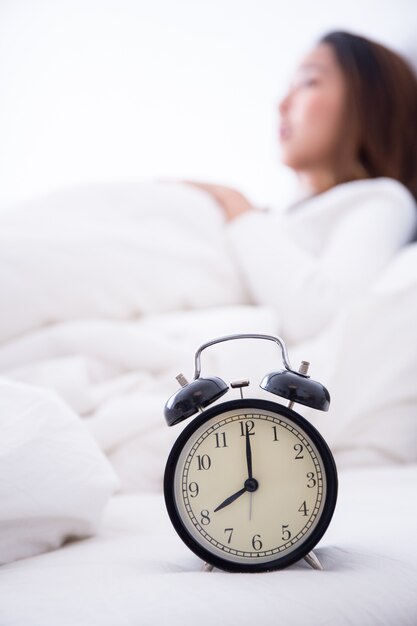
(248,453)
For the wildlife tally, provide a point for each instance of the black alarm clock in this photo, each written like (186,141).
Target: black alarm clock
(250,485)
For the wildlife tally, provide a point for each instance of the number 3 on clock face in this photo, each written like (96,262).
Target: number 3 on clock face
(250,485)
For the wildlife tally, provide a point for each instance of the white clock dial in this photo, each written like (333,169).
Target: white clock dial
(249,485)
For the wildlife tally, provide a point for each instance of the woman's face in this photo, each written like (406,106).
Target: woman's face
(312,112)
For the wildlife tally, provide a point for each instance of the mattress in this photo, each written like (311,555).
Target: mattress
(136,570)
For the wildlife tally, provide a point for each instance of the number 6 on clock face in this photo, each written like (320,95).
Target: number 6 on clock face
(250,485)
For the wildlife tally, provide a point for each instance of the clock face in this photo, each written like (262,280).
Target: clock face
(250,486)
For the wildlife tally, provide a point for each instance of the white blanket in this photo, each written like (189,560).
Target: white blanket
(107,291)
(113,252)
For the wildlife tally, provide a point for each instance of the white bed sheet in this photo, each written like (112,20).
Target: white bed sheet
(136,571)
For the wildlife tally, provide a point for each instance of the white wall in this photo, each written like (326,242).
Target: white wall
(94,90)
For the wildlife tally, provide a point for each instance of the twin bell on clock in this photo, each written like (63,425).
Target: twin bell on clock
(250,485)
(287,383)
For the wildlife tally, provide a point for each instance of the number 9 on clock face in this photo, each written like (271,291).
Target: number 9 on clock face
(250,485)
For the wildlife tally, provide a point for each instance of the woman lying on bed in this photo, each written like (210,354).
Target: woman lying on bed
(348,130)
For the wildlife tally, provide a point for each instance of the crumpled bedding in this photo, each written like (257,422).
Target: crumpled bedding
(108,290)
(89,316)
(114,252)
(55,481)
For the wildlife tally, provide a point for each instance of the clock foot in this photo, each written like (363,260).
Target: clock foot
(313,561)
(207,567)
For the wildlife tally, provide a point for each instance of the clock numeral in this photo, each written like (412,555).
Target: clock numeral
(246,426)
(205,517)
(303,509)
(193,489)
(274,428)
(221,440)
(312,482)
(204,462)
(298,448)
(257,543)
(229,530)
(286,534)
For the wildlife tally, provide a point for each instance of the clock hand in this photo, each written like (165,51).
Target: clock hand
(248,453)
(231,499)
(250,484)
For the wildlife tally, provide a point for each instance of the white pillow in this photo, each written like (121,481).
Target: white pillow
(54,480)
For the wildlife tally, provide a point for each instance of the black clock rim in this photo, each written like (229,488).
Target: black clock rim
(329,505)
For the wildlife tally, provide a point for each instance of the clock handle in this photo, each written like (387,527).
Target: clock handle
(277,340)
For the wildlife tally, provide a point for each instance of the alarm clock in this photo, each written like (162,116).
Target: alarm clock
(250,485)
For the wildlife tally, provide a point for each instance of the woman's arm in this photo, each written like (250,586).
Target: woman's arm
(231,201)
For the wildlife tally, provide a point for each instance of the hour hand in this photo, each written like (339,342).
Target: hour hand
(231,499)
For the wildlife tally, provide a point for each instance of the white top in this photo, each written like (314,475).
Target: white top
(312,259)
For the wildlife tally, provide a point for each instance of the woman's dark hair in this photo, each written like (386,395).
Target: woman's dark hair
(381,109)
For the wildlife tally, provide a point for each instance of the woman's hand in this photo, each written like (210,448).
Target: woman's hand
(231,201)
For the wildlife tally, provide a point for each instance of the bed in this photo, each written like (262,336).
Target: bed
(84,378)
(137,571)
